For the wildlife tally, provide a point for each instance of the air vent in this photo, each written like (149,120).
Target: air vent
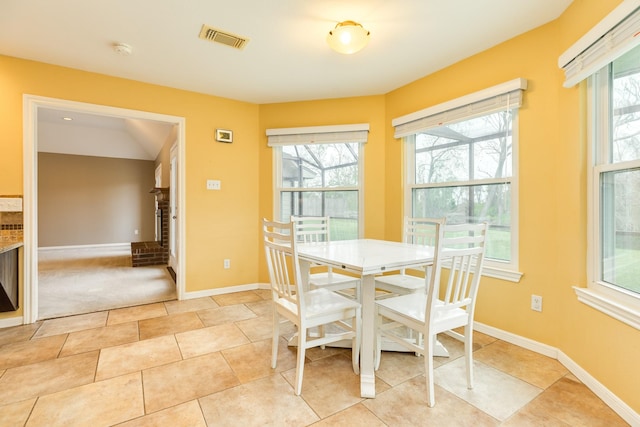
(217,36)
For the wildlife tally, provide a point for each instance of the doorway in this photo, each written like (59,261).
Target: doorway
(32,104)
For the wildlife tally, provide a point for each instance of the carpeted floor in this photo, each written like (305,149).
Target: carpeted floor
(86,280)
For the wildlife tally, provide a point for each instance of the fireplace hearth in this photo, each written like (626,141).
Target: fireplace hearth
(155,252)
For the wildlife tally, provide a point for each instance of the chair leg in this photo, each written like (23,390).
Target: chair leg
(275,339)
(377,354)
(356,324)
(428,370)
(468,354)
(302,346)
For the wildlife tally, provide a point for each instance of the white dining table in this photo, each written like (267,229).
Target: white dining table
(366,258)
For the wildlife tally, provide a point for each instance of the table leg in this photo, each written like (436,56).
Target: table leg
(367,373)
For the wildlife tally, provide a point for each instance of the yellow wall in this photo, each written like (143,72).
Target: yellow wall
(552,190)
(226,224)
(220,224)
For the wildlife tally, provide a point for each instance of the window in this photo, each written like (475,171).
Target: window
(461,165)
(614,217)
(613,116)
(318,172)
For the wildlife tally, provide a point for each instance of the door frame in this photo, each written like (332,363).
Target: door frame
(31,104)
(174,211)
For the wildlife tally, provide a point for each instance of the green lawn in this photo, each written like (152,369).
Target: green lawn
(627,261)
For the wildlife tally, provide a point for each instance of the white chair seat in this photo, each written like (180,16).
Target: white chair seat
(326,279)
(400,283)
(320,302)
(413,307)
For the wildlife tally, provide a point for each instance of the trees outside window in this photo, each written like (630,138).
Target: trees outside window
(464,171)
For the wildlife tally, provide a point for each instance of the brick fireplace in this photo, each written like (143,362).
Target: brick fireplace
(156,252)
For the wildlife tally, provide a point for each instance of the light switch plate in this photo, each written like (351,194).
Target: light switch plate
(10,204)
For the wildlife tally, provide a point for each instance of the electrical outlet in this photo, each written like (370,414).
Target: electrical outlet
(227,263)
(536,302)
(213,184)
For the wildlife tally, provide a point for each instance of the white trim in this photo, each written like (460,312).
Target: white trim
(225,290)
(518,340)
(31,103)
(501,273)
(123,246)
(501,89)
(11,322)
(609,305)
(603,27)
(609,398)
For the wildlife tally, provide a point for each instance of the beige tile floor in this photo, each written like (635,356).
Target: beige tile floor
(206,362)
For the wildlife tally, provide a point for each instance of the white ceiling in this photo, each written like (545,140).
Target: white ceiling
(287,57)
(100,136)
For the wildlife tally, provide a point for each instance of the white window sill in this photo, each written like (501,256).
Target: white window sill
(610,305)
(499,273)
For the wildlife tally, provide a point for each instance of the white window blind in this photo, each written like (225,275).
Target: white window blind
(496,98)
(318,135)
(615,35)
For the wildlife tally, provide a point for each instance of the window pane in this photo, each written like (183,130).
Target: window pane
(320,165)
(472,203)
(620,228)
(625,144)
(478,148)
(340,206)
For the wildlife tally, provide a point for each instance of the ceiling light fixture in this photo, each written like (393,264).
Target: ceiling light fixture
(122,49)
(348,37)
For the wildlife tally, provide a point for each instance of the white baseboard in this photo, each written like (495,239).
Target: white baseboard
(620,407)
(11,321)
(523,342)
(123,246)
(227,290)
(614,402)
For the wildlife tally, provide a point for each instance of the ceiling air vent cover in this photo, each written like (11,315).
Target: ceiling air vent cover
(218,36)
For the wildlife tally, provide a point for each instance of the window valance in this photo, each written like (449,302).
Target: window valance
(500,97)
(318,135)
(615,35)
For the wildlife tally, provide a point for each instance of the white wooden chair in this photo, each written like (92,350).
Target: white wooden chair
(417,231)
(461,249)
(313,230)
(305,308)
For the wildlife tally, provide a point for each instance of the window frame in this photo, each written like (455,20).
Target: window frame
(506,270)
(615,301)
(278,189)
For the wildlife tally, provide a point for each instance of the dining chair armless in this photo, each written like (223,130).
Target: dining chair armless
(460,249)
(306,308)
(416,231)
(315,230)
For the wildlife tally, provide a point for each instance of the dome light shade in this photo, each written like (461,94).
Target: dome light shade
(348,37)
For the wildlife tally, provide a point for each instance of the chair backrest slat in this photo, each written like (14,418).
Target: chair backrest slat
(282,261)
(311,229)
(462,250)
(419,231)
